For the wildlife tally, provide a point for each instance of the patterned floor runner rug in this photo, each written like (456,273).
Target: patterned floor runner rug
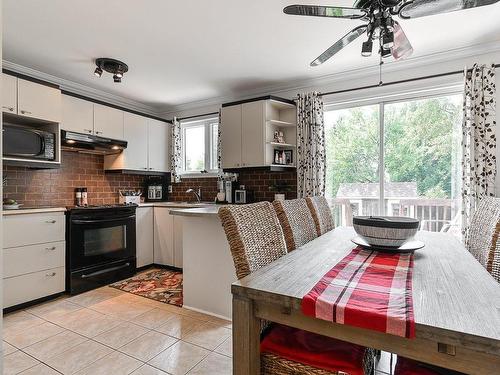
(159,284)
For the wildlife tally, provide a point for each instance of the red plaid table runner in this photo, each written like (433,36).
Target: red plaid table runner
(366,289)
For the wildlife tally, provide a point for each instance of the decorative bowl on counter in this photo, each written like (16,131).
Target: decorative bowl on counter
(385,231)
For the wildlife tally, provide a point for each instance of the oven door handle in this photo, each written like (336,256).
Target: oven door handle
(105,271)
(97,221)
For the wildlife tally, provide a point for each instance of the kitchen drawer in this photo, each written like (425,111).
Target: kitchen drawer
(32,258)
(29,229)
(32,286)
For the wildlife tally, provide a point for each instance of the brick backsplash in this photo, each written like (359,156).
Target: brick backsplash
(256,179)
(208,189)
(259,179)
(56,187)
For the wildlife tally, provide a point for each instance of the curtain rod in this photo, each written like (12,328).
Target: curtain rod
(195,116)
(398,82)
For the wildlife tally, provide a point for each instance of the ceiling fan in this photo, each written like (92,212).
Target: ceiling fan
(380,23)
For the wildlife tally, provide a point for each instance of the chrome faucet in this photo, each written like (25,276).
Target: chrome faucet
(196,193)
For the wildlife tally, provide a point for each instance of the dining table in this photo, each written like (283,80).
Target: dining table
(456,305)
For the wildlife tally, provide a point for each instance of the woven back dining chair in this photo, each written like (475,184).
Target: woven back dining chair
(321,213)
(256,239)
(482,241)
(297,222)
(254,234)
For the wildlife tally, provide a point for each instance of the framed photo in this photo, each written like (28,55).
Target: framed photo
(288,157)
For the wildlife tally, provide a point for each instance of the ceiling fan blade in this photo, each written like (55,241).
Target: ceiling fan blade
(422,8)
(402,47)
(341,43)
(325,11)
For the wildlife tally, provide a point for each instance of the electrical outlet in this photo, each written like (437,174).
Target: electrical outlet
(170,189)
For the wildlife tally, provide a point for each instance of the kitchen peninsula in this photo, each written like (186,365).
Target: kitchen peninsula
(207,263)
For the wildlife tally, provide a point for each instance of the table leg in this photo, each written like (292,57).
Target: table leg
(246,338)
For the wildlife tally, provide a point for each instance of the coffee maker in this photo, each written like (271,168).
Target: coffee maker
(156,188)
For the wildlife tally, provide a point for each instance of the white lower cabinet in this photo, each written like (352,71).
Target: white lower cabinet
(144,235)
(177,241)
(163,237)
(33,256)
(167,238)
(29,287)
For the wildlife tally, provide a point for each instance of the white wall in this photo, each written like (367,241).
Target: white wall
(392,73)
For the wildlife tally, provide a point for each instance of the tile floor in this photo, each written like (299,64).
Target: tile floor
(107,331)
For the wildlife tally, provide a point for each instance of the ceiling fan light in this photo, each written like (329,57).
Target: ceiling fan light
(385,52)
(366,49)
(388,40)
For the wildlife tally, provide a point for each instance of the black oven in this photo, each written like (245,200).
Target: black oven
(24,142)
(101,246)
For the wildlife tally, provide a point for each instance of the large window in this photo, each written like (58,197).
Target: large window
(398,158)
(199,145)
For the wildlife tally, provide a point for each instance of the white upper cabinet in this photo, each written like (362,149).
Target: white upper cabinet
(159,142)
(38,101)
(253,119)
(108,122)
(147,146)
(9,93)
(248,131)
(231,136)
(77,115)
(135,129)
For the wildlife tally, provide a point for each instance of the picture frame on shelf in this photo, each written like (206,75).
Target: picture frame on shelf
(288,157)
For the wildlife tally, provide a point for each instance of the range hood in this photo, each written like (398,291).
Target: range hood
(90,144)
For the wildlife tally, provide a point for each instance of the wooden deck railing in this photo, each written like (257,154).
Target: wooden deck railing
(436,215)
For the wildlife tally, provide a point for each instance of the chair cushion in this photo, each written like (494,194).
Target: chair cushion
(314,350)
(405,366)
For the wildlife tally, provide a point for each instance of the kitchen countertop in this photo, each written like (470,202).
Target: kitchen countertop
(177,204)
(201,211)
(32,210)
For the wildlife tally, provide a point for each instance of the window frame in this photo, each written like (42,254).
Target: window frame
(381,102)
(210,142)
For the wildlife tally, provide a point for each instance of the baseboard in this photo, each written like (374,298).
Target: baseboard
(206,312)
(25,305)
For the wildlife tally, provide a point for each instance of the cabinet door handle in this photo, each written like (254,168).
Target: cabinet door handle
(51,221)
(150,168)
(50,248)
(98,132)
(25,112)
(88,130)
(11,109)
(50,274)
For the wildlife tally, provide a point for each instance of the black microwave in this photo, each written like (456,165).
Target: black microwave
(24,142)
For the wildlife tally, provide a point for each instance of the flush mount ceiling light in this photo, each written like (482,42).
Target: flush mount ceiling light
(112,66)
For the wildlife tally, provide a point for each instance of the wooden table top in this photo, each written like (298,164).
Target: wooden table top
(454,297)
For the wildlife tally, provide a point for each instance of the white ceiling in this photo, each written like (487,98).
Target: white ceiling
(189,50)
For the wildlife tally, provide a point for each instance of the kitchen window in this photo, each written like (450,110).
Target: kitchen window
(396,158)
(199,146)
